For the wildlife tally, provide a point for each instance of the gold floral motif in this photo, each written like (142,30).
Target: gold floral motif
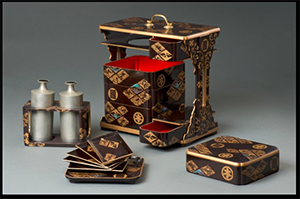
(138,118)
(161,80)
(227,173)
(225,155)
(82,133)
(28,143)
(25,119)
(217,145)
(260,146)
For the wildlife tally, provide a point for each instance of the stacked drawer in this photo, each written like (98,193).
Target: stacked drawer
(139,88)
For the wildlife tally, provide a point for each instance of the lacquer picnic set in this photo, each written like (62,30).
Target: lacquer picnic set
(145,96)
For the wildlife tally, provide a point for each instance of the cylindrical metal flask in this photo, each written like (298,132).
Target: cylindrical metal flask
(69,121)
(42,121)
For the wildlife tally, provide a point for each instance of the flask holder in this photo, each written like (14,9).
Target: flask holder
(84,130)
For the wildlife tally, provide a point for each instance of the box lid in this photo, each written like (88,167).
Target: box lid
(232,151)
(177,30)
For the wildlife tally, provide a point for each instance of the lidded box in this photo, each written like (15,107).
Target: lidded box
(167,49)
(139,88)
(234,160)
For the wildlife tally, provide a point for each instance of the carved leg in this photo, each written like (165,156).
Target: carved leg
(201,121)
(116,53)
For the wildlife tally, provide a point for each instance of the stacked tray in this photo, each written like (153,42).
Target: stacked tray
(106,158)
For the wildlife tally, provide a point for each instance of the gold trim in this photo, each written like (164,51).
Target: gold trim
(141,169)
(169,122)
(199,136)
(200,34)
(228,162)
(118,128)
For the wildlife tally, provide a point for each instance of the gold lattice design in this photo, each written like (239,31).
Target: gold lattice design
(116,114)
(255,173)
(109,156)
(178,87)
(161,51)
(191,166)
(207,170)
(154,140)
(115,75)
(108,143)
(162,111)
(137,94)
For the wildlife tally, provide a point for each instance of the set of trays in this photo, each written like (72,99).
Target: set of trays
(106,158)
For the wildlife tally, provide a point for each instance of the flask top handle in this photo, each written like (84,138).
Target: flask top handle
(150,22)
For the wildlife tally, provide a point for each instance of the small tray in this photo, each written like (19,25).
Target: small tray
(131,174)
(110,147)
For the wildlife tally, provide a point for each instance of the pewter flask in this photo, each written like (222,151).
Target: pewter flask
(69,121)
(42,121)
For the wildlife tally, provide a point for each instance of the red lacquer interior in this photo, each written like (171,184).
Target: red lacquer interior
(143,63)
(160,127)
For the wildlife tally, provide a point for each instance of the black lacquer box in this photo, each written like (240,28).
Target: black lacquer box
(138,89)
(234,160)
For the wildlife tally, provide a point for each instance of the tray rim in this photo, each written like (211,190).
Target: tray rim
(109,178)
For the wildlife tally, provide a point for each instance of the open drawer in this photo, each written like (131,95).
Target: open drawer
(161,133)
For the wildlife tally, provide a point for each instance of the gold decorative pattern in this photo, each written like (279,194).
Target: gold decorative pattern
(116,114)
(217,145)
(120,175)
(232,140)
(113,94)
(227,173)
(161,80)
(169,70)
(201,120)
(181,108)
(191,166)
(109,143)
(255,173)
(28,143)
(173,140)
(248,154)
(207,170)
(137,94)
(232,150)
(25,119)
(138,118)
(202,149)
(274,163)
(162,111)
(162,52)
(225,155)
(115,75)
(90,149)
(260,146)
(86,174)
(178,87)
(109,156)
(130,170)
(82,133)
(154,140)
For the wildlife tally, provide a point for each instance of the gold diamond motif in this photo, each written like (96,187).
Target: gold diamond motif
(207,170)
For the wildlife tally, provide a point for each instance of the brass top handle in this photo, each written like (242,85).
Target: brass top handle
(150,22)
